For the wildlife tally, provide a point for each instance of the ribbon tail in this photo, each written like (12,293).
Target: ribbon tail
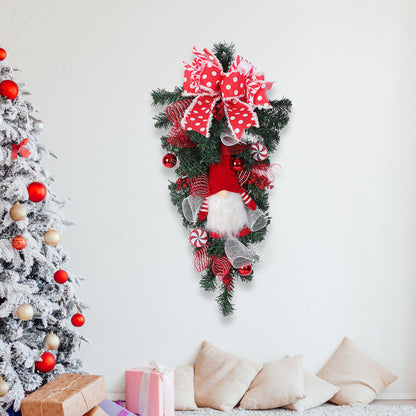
(240,116)
(25,152)
(198,116)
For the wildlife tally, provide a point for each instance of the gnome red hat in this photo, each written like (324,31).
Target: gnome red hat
(222,178)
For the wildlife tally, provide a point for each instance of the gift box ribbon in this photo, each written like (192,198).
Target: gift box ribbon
(163,374)
(60,390)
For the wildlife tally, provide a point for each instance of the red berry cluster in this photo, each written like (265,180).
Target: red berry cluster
(228,282)
(183,183)
(218,111)
(260,181)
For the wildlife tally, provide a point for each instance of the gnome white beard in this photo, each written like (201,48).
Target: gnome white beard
(226,213)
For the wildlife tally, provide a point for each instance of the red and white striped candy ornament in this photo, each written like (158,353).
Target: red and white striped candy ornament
(198,237)
(258,152)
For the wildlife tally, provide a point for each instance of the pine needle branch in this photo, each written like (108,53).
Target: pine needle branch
(162,121)
(224,301)
(164,97)
(225,53)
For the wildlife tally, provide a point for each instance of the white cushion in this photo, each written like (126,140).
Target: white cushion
(278,383)
(184,388)
(317,391)
(359,377)
(221,378)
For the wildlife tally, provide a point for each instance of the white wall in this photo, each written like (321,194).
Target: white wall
(344,231)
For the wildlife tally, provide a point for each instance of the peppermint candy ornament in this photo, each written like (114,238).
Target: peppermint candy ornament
(259,152)
(198,237)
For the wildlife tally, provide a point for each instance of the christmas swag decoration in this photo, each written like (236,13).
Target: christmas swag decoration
(222,128)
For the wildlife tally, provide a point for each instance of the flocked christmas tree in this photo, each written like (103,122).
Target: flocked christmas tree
(38,304)
(222,129)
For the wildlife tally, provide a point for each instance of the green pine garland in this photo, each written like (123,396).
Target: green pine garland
(197,160)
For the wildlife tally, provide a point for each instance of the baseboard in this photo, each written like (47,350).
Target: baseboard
(382,396)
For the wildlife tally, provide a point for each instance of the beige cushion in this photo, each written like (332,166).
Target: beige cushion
(278,383)
(359,377)
(221,378)
(184,388)
(317,391)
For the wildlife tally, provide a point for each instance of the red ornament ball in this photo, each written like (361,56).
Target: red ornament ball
(19,242)
(78,319)
(47,362)
(37,191)
(60,276)
(3,54)
(237,165)
(169,160)
(9,89)
(245,270)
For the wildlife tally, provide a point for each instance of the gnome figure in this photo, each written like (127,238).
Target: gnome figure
(224,206)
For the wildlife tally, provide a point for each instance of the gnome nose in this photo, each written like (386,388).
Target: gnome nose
(223,193)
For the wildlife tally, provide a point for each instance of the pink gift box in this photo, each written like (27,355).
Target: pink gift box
(150,392)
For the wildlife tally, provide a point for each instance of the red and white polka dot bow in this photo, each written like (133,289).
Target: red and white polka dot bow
(242,89)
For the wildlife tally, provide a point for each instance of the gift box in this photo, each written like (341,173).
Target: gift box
(113,409)
(149,391)
(66,395)
(96,411)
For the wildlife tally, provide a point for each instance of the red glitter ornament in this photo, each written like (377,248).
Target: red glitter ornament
(3,54)
(78,319)
(19,242)
(237,165)
(9,89)
(245,270)
(169,160)
(47,362)
(37,191)
(60,276)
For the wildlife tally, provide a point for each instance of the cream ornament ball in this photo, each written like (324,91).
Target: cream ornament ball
(51,342)
(4,388)
(25,312)
(17,212)
(52,237)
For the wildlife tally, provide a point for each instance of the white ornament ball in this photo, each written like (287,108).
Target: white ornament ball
(52,237)
(4,388)
(17,212)
(38,125)
(51,342)
(25,312)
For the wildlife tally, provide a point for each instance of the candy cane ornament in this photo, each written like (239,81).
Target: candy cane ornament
(198,237)
(258,152)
